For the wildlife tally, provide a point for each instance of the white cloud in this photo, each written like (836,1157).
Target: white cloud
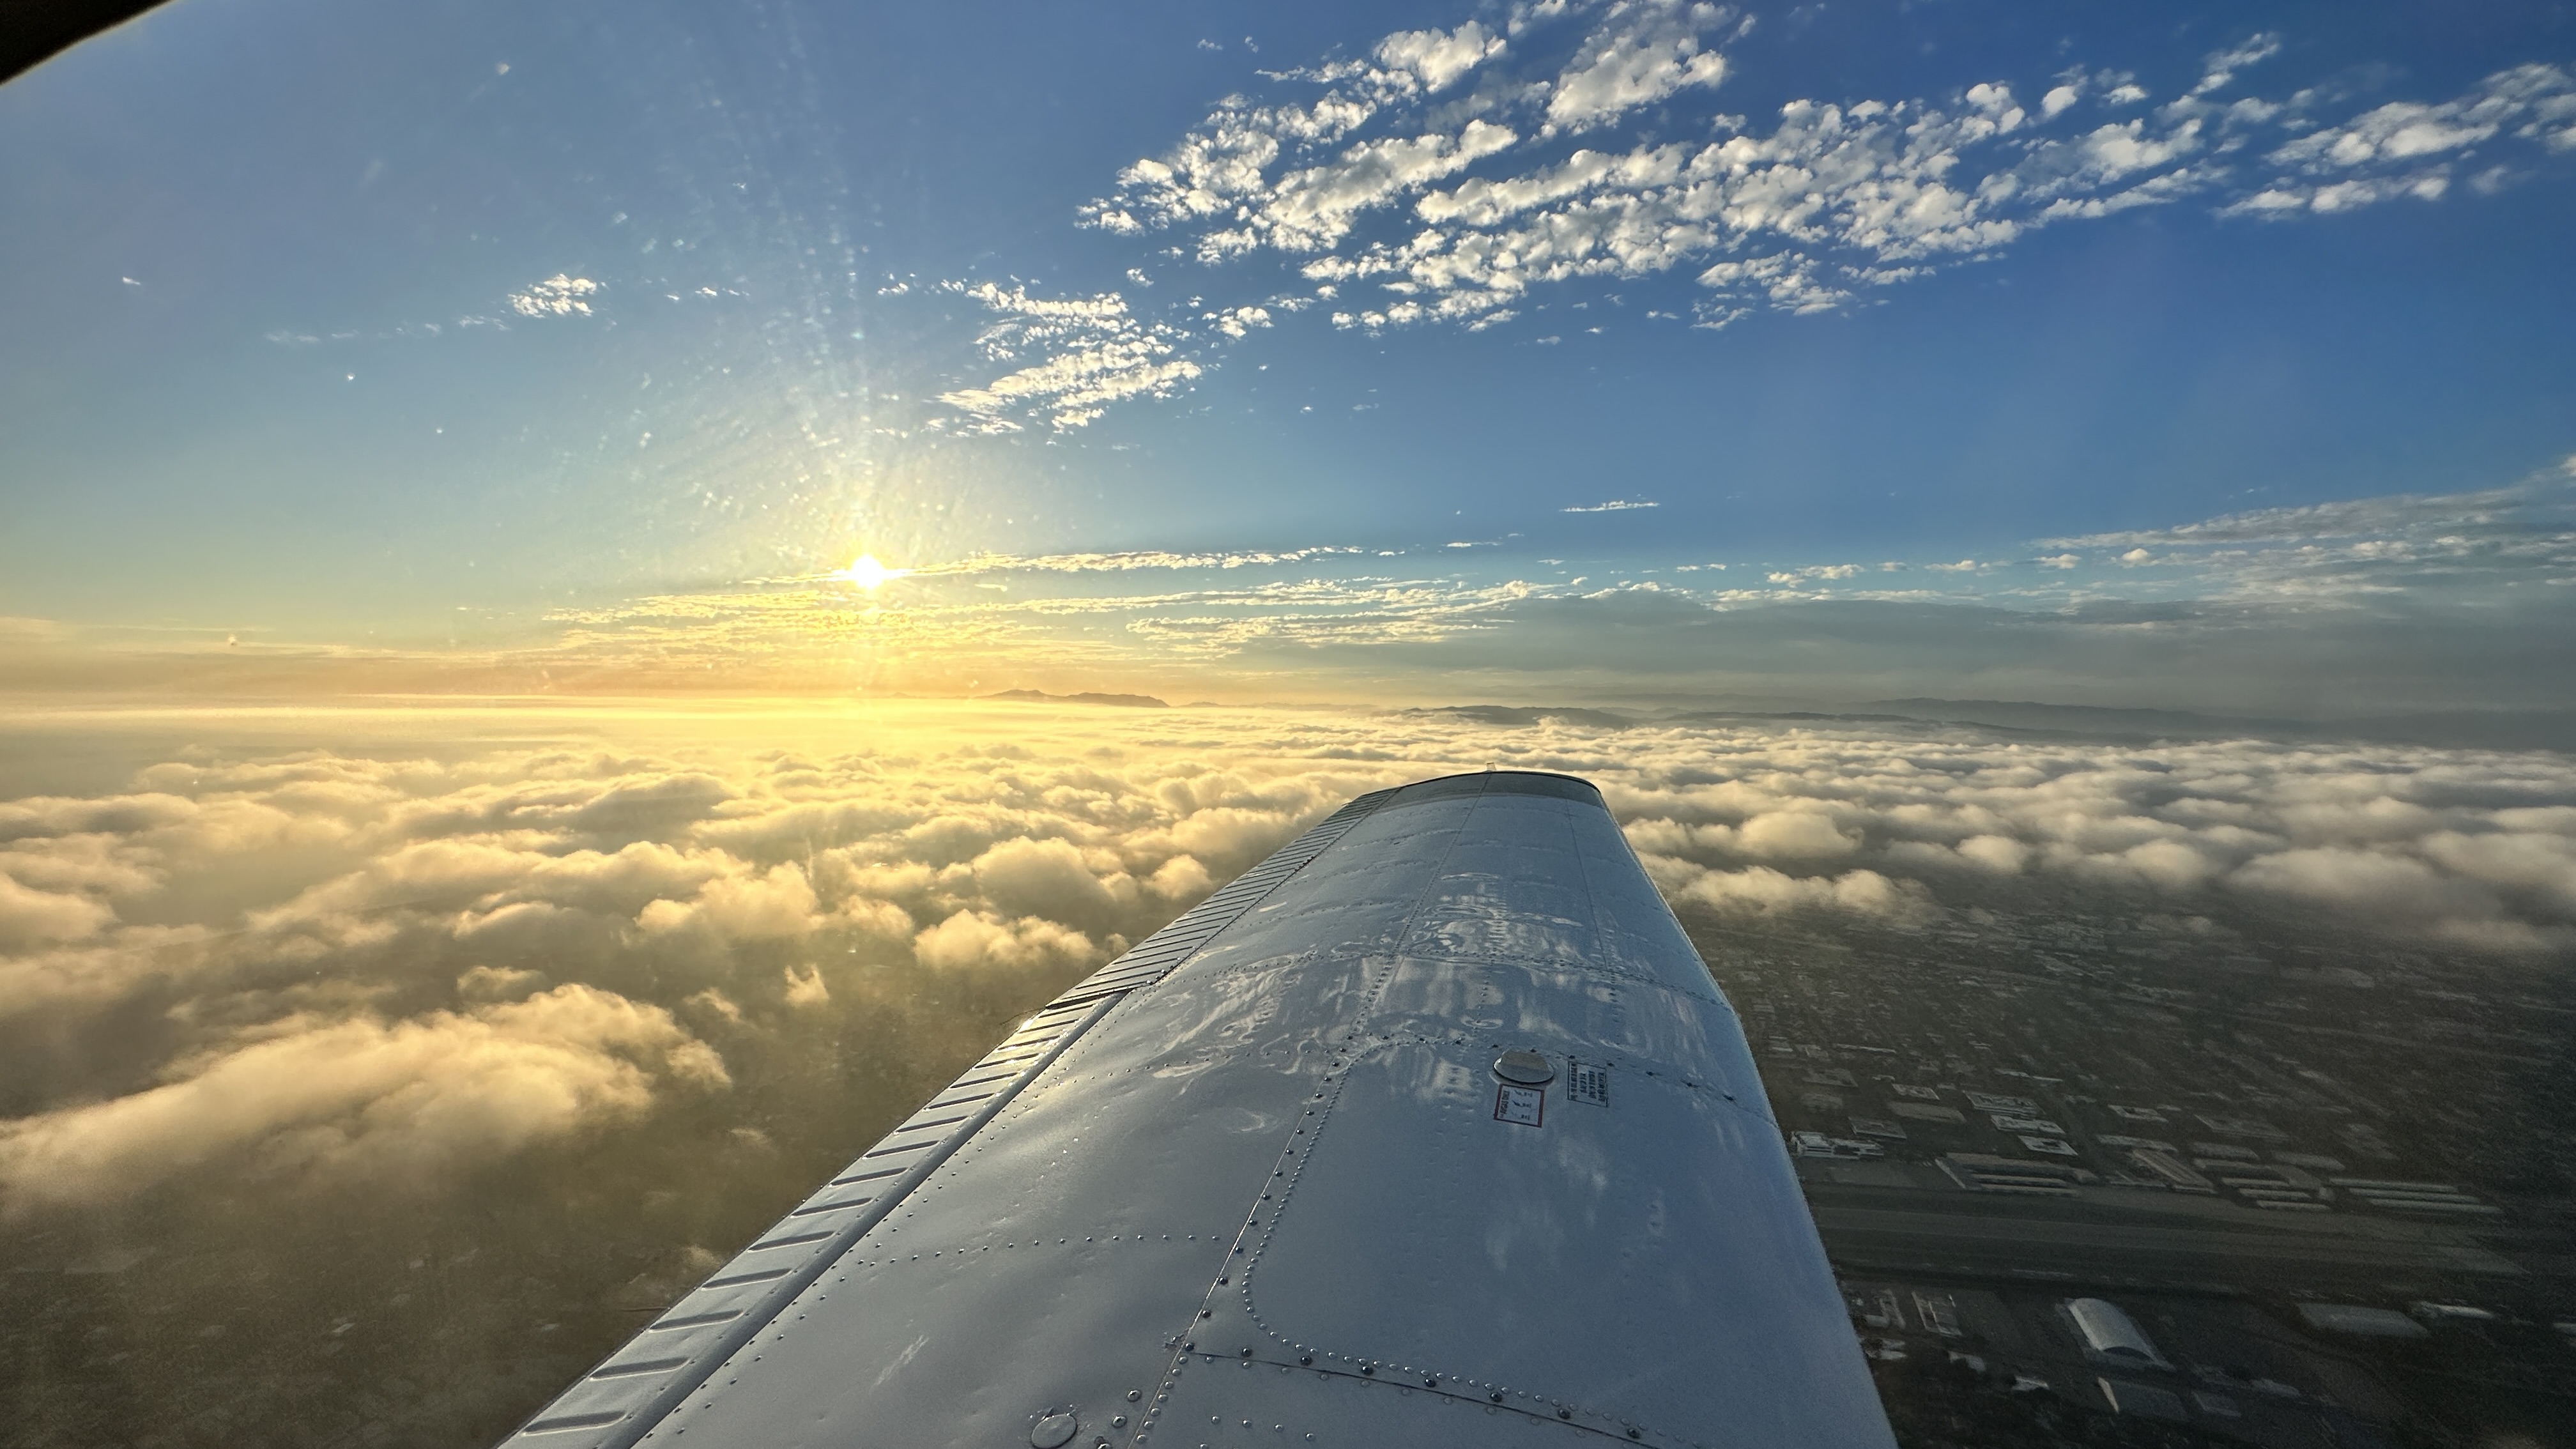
(1644,52)
(1313,209)
(366,1098)
(2222,66)
(459,958)
(1440,58)
(1094,353)
(1615,505)
(38,915)
(2404,148)
(560,295)
(1444,205)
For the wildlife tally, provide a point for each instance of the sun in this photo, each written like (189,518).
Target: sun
(867,573)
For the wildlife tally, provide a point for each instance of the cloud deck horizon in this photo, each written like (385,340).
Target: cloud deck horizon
(393,966)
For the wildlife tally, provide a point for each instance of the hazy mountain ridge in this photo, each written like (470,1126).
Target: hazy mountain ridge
(2459,729)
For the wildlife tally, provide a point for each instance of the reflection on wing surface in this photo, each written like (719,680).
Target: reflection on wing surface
(1259,1180)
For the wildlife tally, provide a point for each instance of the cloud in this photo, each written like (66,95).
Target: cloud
(2405,148)
(1615,505)
(388,969)
(36,915)
(1439,58)
(365,1097)
(974,939)
(1095,352)
(560,295)
(2222,66)
(778,903)
(1645,52)
(1405,195)
(459,958)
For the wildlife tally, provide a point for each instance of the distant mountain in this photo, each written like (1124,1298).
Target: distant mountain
(2094,720)
(1039,696)
(1504,714)
(2525,729)
(2501,729)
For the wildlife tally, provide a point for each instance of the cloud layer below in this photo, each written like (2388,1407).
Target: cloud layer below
(395,964)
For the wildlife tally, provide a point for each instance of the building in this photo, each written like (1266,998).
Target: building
(2170,1170)
(2146,1401)
(2361,1320)
(2110,1335)
(1817,1144)
(1986,1172)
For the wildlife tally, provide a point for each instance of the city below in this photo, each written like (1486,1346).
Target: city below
(2161,1181)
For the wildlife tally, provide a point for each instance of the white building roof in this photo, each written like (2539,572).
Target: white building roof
(2111,1334)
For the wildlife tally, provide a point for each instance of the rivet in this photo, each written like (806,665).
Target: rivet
(1306,1359)
(1632,1433)
(1204,1312)
(1429,1382)
(1186,1347)
(1565,1413)
(1495,1397)
(1220,1282)
(1368,1371)
(1120,1422)
(1247,1353)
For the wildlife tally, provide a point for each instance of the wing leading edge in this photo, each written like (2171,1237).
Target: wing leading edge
(1432,1127)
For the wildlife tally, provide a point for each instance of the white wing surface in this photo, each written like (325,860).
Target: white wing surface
(1432,1129)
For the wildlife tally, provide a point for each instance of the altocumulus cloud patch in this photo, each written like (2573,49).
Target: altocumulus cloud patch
(1459,175)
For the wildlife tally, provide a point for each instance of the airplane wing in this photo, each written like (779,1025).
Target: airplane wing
(1432,1129)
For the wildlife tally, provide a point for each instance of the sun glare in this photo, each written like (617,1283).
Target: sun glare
(867,573)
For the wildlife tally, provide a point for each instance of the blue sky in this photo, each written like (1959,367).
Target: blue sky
(589,337)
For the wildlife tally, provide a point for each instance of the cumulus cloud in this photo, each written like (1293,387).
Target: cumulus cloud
(2433,845)
(1643,53)
(1440,58)
(366,1097)
(395,969)
(560,295)
(1451,176)
(1093,352)
(2407,148)
(391,969)
(37,915)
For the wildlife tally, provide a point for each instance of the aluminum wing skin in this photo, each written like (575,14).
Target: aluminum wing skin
(1431,1129)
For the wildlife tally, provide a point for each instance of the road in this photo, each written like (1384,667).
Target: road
(2045,1240)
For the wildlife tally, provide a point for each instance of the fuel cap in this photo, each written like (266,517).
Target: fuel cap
(1526,1068)
(1054,1431)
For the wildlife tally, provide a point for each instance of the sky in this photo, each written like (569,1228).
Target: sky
(2210,358)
